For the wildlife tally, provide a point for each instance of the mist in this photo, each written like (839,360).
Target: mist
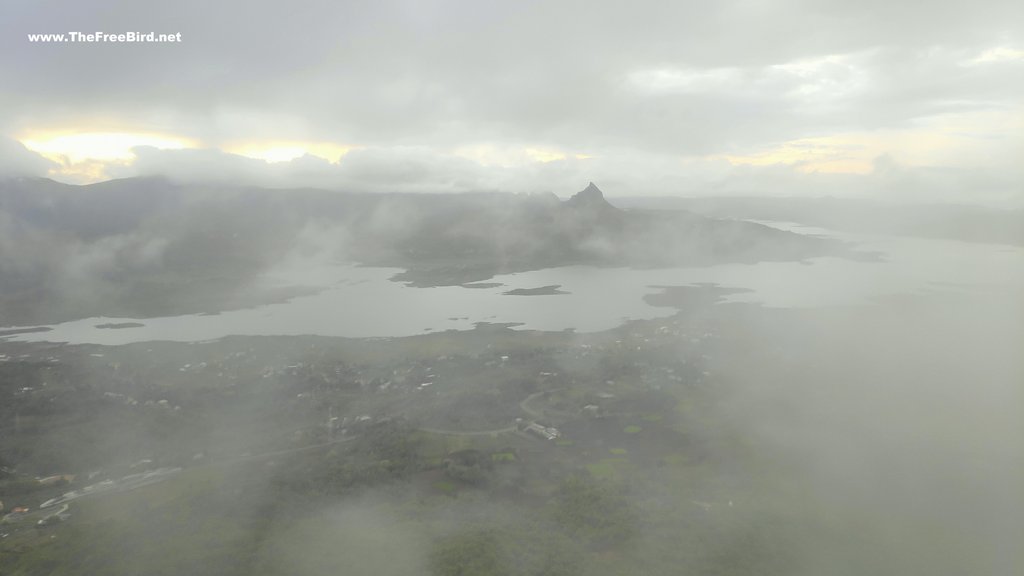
(722,433)
(534,289)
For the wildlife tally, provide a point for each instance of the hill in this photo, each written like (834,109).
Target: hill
(150,247)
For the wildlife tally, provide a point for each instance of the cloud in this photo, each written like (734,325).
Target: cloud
(999,54)
(811,168)
(17,160)
(421,79)
(395,169)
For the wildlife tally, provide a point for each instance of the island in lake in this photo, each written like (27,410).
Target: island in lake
(551,290)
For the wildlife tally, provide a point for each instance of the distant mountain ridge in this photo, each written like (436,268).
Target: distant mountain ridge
(968,223)
(147,246)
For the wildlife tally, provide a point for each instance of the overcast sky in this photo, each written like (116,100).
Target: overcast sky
(895,99)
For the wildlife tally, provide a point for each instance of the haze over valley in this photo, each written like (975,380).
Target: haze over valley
(522,289)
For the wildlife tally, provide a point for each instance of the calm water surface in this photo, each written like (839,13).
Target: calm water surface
(363,302)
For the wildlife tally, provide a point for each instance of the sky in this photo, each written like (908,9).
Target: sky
(909,100)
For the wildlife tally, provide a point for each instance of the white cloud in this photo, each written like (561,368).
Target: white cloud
(825,80)
(999,54)
(17,160)
(620,172)
(464,97)
(680,80)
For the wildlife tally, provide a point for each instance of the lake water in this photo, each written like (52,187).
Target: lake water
(363,302)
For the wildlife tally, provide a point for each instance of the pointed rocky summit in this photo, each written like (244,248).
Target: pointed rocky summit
(590,198)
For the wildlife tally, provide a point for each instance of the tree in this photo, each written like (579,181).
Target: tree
(595,511)
(476,553)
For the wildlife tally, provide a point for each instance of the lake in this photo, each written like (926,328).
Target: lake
(363,301)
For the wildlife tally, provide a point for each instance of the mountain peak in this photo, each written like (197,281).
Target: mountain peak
(590,197)
(591,190)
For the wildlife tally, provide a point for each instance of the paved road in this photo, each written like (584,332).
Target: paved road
(524,405)
(537,414)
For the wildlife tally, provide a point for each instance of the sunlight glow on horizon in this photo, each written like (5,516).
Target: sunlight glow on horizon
(829,155)
(507,156)
(83,157)
(971,139)
(286,151)
(74,147)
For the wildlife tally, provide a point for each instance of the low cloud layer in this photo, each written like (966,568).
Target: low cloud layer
(16,160)
(420,169)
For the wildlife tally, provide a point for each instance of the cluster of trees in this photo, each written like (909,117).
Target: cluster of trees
(386,451)
(529,550)
(585,516)
(593,511)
